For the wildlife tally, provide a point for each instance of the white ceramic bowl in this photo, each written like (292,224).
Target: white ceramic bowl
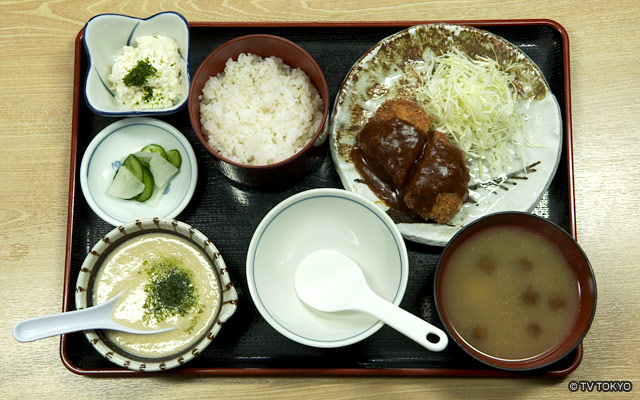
(106,34)
(107,151)
(323,219)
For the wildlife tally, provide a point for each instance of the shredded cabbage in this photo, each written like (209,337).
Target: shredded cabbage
(474,102)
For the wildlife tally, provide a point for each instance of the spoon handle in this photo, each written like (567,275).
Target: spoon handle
(97,317)
(52,325)
(404,322)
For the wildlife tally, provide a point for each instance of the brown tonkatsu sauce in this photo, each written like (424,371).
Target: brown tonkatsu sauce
(408,168)
(384,153)
(441,177)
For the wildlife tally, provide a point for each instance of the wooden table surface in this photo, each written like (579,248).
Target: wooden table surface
(36,70)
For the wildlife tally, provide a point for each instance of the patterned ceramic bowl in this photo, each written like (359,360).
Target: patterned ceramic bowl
(104,37)
(224,305)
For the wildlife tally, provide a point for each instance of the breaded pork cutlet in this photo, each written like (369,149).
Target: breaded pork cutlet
(440,185)
(391,148)
(394,138)
(428,174)
(405,110)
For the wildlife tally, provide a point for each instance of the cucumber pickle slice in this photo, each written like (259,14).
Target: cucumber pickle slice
(173,156)
(155,148)
(147,179)
(139,173)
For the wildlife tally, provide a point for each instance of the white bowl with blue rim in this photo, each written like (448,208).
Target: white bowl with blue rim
(106,153)
(104,37)
(316,219)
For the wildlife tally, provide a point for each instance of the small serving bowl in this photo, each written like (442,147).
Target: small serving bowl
(283,173)
(318,219)
(111,146)
(97,255)
(104,37)
(573,255)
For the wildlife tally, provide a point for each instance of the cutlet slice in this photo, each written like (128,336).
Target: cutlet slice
(391,147)
(393,139)
(405,110)
(441,182)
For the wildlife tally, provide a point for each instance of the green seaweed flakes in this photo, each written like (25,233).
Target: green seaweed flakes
(140,74)
(170,290)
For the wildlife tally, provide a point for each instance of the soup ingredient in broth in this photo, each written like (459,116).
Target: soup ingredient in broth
(521,306)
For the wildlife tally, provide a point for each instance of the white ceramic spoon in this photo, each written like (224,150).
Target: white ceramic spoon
(330,281)
(96,317)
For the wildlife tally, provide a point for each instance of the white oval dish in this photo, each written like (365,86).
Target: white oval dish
(104,37)
(107,151)
(332,219)
(381,74)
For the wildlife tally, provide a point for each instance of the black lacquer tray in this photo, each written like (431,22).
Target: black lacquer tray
(248,345)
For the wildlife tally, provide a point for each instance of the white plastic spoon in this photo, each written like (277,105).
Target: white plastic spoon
(330,281)
(96,317)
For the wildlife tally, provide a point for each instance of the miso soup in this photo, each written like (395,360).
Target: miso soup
(509,293)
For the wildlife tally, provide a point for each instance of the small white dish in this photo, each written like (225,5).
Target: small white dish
(104,37)
(111,146)
(324,219)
